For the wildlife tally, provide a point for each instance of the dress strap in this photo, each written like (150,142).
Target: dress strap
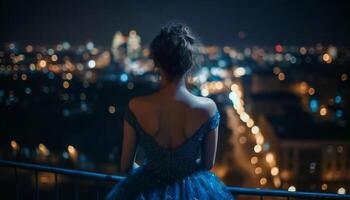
(130,117)
(213,122)
(216,121)
(209,125)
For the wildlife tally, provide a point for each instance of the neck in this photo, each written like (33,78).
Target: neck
(173,87)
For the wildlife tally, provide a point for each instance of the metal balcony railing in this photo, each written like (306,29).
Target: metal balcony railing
(35,168)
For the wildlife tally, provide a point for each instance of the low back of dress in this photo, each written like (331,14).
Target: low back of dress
(170,164)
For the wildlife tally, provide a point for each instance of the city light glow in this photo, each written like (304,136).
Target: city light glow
(341,191)
(14,145)
(91,64)
(257,148)
(292,188)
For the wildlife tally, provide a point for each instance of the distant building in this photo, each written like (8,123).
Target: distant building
(133,46)
(118,50)
(315,164)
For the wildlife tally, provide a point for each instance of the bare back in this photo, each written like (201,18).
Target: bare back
(171,121)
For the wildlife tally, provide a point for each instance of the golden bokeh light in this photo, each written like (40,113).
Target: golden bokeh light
(323,111)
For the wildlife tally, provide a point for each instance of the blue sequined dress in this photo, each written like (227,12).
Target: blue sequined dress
(170,174)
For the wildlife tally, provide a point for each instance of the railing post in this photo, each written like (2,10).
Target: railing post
(76,190)
(56,187)
(97,191)
(37,185)
(16,182)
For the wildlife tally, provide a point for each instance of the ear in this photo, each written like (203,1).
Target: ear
(156,63)
(156,66)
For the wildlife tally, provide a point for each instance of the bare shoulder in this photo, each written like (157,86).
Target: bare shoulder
(136,102)
(206,106)
(139,103)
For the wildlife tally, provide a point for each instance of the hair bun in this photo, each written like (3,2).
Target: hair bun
(177,30)
(173,49)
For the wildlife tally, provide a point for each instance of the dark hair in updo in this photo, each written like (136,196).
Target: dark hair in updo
(174,49)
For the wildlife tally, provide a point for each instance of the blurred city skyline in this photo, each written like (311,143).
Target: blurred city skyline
(216,22)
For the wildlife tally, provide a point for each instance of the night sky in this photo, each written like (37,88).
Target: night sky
(293,22)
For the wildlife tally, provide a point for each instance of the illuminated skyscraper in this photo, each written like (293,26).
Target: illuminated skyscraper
(133,45)
(118,50)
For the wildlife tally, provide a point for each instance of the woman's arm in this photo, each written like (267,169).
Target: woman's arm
(210,141)
(208,153)
(128,148)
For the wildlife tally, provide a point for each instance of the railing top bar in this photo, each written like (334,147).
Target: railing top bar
(106,177)
(283,193)
(98,176)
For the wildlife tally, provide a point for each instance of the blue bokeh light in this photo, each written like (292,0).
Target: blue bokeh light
(339,113)
(124,77)
(313,105)
(337,99)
